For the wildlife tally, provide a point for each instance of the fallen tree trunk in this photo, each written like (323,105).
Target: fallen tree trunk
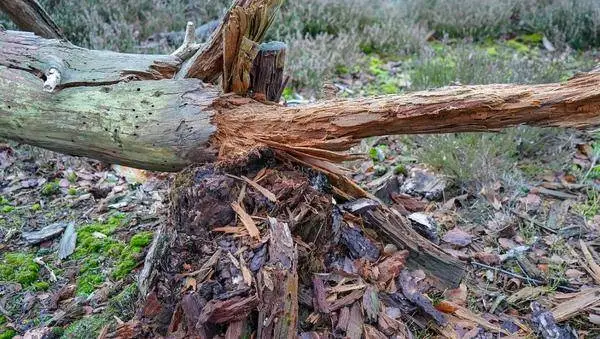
(96,110)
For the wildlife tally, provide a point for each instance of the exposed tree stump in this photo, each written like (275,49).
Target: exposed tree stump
(214,278)
(266,78)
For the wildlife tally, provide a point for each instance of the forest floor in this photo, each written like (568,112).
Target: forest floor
(521,207)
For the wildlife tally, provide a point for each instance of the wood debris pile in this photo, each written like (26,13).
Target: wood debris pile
(267,250)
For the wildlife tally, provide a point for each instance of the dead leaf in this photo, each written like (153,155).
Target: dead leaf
(457,237)
(446,307)
(487,258)
(457,295)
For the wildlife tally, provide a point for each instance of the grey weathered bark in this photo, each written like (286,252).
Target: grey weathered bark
(98,111)
(28,15)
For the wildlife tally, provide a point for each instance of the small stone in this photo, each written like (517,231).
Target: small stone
(390,249)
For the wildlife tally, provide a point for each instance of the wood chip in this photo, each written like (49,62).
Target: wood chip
(246,219)
(246,274)
(592,267)
(578,302)
(355,323)
(346,300)
(268,194)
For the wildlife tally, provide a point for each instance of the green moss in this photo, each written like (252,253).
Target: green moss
(50,188)
(97,250)
(101,254)
(41,286)
(7,333)
(72,191)
(3,200)
(288,93)
(123,305)
(389,88)
(19,267)
(87,327)
(518,46)
(7,208)
(532,39)
(36,207)
(400,169)
(141,239)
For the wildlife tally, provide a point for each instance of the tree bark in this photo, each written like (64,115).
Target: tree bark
(29,16)
(98,110)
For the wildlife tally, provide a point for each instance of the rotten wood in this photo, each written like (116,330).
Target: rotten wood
(266,78)
(29,16)
(278,286)
(448,271)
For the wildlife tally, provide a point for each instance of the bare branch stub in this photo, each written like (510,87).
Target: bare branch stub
(189,46)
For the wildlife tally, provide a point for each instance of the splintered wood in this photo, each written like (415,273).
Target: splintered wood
(303,267)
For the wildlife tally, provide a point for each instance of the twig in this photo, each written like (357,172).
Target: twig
(189,46)
(533,221)
(39,261)
(532,281)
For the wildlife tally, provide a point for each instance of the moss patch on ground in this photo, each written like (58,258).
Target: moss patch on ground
(103,255)
(20,268)
(87,327)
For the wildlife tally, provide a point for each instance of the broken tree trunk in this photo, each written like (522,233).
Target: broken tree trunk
(97,110)
(243,251)
(29,16)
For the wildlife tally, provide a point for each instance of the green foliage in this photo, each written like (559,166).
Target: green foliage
(72,191)
(591,206)
(72,177)
(378,153)
(400,169)
(50,188)
(41,286)
(20,268)
(36,207)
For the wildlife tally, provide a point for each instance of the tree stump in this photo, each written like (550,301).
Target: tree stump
(266,78)
(244,242)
